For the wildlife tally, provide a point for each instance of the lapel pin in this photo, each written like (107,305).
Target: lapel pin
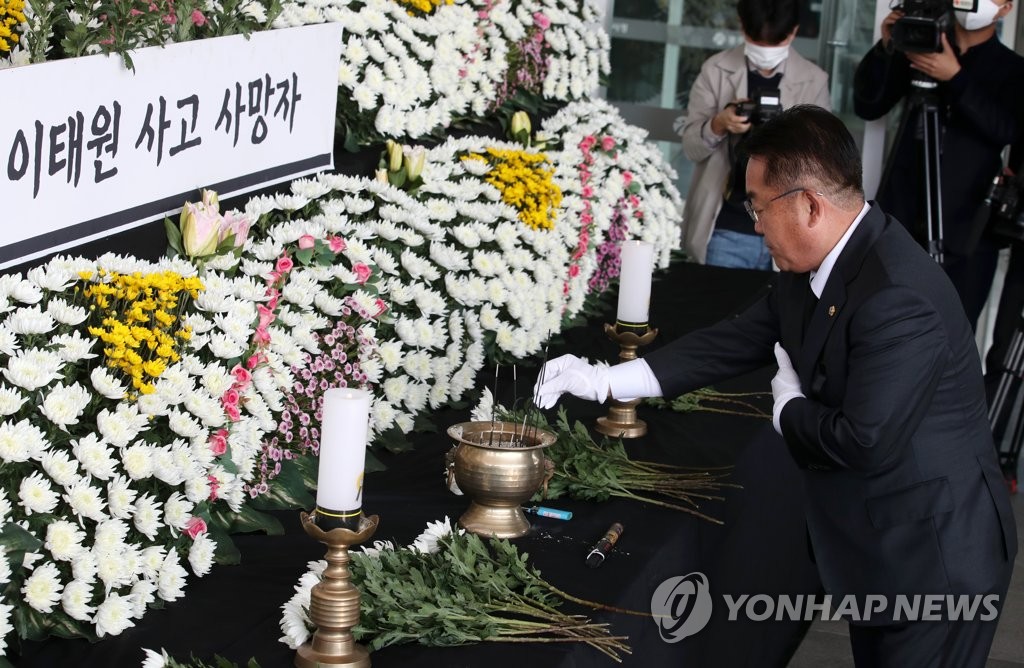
(831,311)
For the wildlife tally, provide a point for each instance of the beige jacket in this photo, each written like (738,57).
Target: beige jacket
(723,79)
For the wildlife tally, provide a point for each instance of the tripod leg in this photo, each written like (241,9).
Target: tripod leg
(1009,384)
(1008,460)
(933,180)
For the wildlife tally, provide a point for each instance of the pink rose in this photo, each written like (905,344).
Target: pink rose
(253,361)
(607,143)
(381,306)
(587,143)
(214,486)
(266,316)
(588,191)
(284,264)
(306,241)
(275,296)
(574,271)
(541,21)
(230,398)
(627,178)
(242,375)
(198,19)
(362,272)
(219,442)
(261,337)
(233,413)
(195,526)
(336,243)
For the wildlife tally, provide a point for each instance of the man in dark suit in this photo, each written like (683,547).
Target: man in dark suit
(882,407)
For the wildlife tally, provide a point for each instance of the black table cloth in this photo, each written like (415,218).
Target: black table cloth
(760,549)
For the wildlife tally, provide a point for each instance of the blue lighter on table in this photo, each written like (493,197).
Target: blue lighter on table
(549,512)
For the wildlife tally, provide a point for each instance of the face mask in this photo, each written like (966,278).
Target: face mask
(983,18)
(768,57)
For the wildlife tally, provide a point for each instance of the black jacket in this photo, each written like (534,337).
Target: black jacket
(981,110)
(904,494)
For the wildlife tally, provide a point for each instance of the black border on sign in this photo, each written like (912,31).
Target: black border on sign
(113,221)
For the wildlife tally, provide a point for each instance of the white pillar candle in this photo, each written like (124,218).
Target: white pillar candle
(635,282)
(343,434)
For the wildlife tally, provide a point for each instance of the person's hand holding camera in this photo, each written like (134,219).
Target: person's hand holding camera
(886,28)
(728,121)
(941,66)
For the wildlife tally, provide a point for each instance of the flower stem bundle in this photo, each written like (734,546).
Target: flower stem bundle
(710,400)
(584,470)
(465,592)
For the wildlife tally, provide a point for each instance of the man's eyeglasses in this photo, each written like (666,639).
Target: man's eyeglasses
(752,212)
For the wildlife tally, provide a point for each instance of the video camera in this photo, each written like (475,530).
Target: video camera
(763,108)
(920,28)
(1005,204)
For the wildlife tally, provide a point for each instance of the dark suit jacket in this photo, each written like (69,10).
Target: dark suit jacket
(904,492)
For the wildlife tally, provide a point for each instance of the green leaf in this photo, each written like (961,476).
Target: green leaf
(304,255)
(397,178)
(247,520)
(373,463)
(228,463)
(13,537)
(287,491)
(173,236)
(226,553)
(306,465)
(351,140)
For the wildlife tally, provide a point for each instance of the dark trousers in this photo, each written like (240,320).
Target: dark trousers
(922,645)
(943,644)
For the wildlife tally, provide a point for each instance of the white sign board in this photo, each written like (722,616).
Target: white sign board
(92,148)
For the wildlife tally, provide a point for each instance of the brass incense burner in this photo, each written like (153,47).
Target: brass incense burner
(499,465)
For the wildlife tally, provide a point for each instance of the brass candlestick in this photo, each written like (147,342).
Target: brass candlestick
(621,421)
(334,602)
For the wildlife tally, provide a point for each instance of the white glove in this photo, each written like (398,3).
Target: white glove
(633,380)
(785,386)
(571,374)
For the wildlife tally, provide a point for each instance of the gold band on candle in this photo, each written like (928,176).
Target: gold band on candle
(636,327)
(328,519)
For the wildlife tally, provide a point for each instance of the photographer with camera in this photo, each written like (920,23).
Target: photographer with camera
(975,85)
(735,90)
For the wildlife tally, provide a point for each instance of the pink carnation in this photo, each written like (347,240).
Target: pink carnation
(195,526)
